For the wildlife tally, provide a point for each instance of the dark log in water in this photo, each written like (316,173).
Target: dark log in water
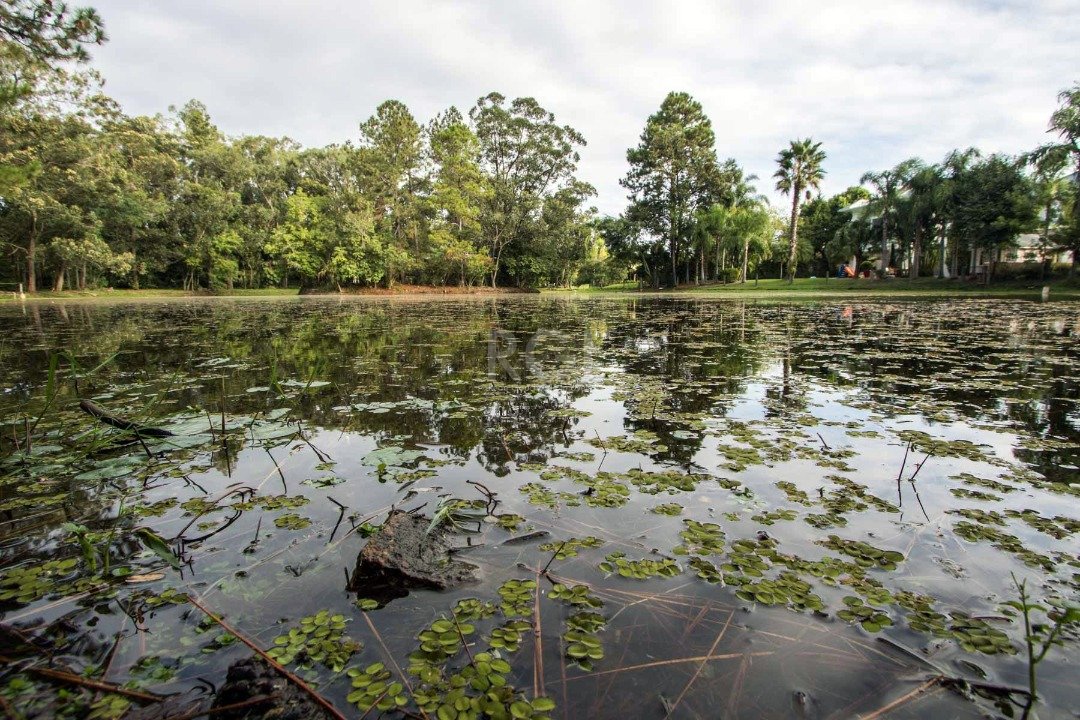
(92,408)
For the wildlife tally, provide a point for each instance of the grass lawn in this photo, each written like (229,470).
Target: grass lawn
(842,287)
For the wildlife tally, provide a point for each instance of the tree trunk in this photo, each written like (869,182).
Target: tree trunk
(745,258)
(673,248)
(31,251)
(941,249)
(884,264)
(916,252)
(58,284)
(794,232)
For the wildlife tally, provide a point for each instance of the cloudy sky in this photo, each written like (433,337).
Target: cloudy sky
(876,82)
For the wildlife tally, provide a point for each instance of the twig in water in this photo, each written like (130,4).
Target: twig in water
(278,467)
(319,699)
(919,467)
(88,683)
(390,658)
(323,457)
(492,503)
(551,559)
(341,515)
(538,644)
(824,444)
(701,667)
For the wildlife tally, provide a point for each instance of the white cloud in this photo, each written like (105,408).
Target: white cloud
(875,82)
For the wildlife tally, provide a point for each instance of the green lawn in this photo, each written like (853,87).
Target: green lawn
(838,287)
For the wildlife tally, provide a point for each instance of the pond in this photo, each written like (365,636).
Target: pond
(675,508)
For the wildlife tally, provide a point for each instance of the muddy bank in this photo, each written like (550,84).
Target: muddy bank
(420,290)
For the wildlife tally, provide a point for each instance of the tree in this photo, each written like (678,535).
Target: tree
(821,219)
(887,185)
(527,157)
(673,172)
(459,191)
(923,211)
(994,202)
(388,160)
(1065,123)
(800,171)
(51,31)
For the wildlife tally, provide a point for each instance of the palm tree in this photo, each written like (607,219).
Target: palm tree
(800,170)
(1065,123)
(887,185)
(925,203)
(954,166)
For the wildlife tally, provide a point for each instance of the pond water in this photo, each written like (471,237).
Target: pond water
(749,509)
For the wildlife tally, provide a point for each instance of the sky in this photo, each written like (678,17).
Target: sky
(875,82)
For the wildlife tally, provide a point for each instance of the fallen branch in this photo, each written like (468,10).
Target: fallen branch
(89,683)
(319,699)
(902,700)
(92,408)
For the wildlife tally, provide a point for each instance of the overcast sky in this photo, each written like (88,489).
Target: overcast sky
(875,81)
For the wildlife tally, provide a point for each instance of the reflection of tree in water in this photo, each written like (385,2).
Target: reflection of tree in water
(952,360)
(679,360)
(683,361)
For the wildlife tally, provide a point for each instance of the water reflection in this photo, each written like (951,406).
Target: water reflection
(782,423)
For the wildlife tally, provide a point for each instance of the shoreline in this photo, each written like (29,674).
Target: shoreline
(803,288)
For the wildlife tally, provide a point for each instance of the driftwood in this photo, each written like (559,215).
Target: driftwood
(92,408)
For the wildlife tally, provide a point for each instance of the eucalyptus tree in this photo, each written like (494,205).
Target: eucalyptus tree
(887,185)
(800,170)
(48,159)
(144,174)
(270,175)
(673,172)
(527,156)
(208,200)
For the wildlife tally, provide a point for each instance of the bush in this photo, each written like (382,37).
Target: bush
(730,275)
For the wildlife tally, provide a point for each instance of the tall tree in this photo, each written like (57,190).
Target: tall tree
(458,192)
(994,203)
(1065,152)
(389,159)
(527,157)
(887,185)
(923,212)
(800,170)
(673,172)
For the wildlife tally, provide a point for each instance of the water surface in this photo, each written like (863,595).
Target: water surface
(748,497)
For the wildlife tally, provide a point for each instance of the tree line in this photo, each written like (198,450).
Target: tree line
(692,218)
(90,195)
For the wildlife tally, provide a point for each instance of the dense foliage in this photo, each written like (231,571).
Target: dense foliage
(90,196)
(960,216)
